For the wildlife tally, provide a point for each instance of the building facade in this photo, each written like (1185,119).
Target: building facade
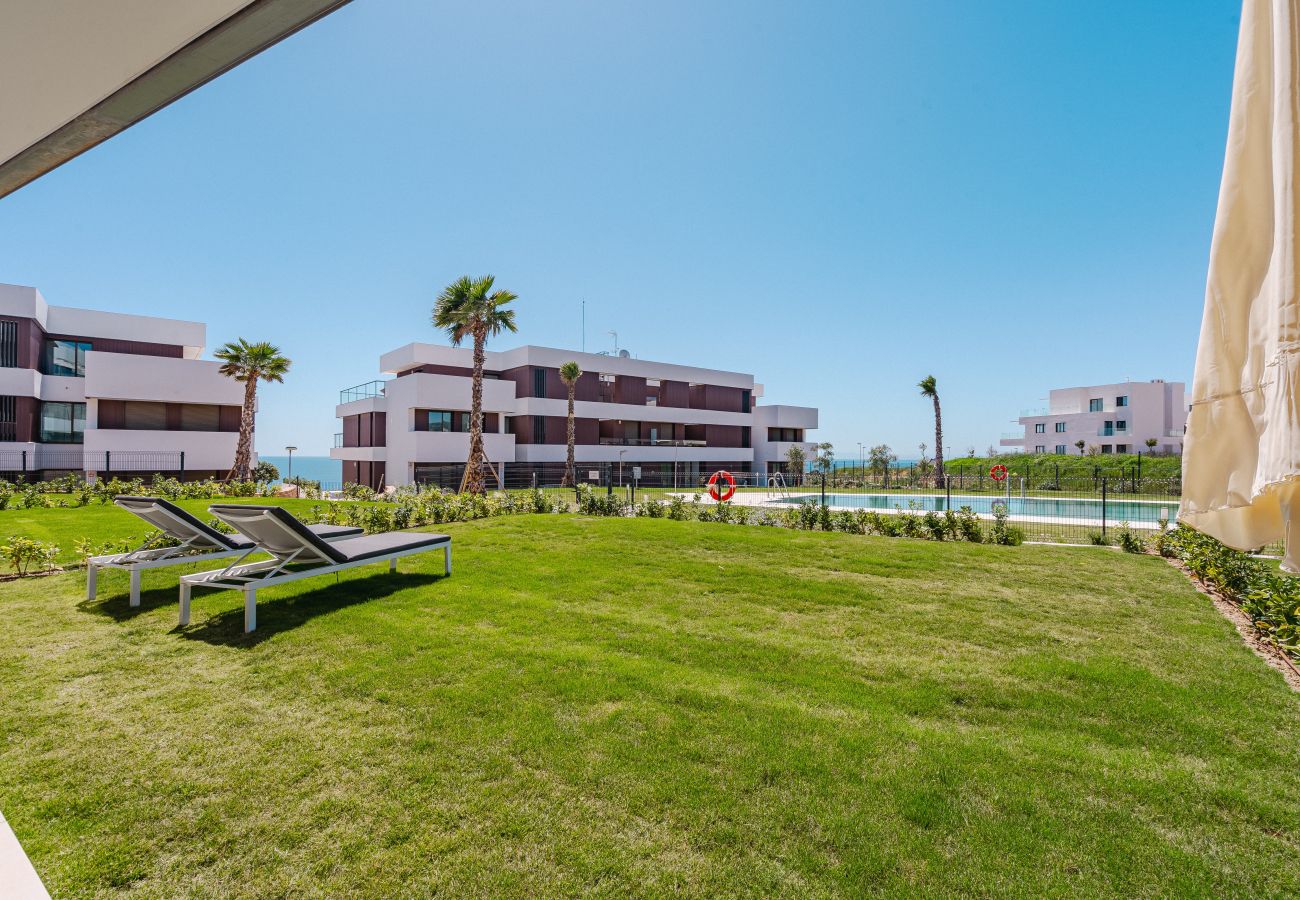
(107,393)
(672,423)
(1116,418)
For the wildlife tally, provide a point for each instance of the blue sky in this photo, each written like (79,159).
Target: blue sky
(838,197)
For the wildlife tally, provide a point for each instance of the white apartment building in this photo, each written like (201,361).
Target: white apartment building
(107,393)
(1116,418)
(670,422)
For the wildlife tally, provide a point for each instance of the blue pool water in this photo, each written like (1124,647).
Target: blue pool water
(1148,512)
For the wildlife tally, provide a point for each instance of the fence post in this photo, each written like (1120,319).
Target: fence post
(947,493)
(1058,476)
(108,460)
(609,479)
(182,465)
(1103,507)
(24,463)
(823,488)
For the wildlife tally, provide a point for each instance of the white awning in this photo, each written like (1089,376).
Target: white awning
(1242,452)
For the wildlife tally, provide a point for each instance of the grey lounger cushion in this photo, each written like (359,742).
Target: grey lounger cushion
(141,506)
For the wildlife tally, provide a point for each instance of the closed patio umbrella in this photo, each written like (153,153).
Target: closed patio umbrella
(1241,463)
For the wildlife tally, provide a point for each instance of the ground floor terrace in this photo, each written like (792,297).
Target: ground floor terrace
(635,706)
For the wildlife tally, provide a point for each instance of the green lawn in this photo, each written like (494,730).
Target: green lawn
(645,707)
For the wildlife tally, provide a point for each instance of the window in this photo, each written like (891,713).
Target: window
(1039,448)
(465,419)
(1121,401)
(63,423)
(539,429)
(746,402)
(1121,425)
(200,417)
(1060,449)
(789,435)
(1105,448)
(1108,428)
(1060,428)
(439,420)
(138,415)
(1094,405)
(1040,427)
(8,345)
(1121,448)
(745,435)
(65,357)
(539,382)
(8,418)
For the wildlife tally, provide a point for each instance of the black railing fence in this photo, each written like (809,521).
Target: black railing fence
(43,460)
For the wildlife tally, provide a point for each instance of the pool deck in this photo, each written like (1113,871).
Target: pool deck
(777,500)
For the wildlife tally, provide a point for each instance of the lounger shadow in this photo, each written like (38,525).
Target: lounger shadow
(288,542)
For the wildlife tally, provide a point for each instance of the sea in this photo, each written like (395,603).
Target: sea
(329,472)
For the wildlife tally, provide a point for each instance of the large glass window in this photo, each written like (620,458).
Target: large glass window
(439,420)
(1122,401)
(65,357)
(1060,449)
(1060,428)
(1094,405)
(63,423)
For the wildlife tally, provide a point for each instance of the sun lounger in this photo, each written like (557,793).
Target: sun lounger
(197,542)
(290,543)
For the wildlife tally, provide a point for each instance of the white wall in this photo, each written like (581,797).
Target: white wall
(121,376)
(202,449)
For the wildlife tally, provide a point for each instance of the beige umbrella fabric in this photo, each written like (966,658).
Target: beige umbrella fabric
(1241,463)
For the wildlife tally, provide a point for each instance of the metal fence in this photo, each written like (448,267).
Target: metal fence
(43,460)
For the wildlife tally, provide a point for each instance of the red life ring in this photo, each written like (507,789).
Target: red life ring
(998,473)
(716,491)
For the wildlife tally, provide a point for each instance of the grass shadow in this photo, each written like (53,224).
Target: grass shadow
(277,615)
(116,604)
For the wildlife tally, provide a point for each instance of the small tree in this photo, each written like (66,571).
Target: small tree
(970,452)
(1093,450)
(796,461)
(923,465)
(1080,445)
(1151,445)
(265,472)
(879,459)
(825,460)
(570,372)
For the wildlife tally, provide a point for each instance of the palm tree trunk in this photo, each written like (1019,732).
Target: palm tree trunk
(568,464)
(473,481)
(938,444)
(242,469)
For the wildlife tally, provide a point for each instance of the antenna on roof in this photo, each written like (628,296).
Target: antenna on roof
(615,336)
(584,326)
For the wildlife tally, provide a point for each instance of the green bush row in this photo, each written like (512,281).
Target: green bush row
(1270,597)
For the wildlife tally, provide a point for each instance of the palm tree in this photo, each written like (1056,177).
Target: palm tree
(250,363)
(468,307)
(929,389)
(1080,445)
(570,372)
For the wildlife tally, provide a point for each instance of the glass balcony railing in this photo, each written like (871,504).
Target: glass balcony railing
(646,442)
(338,439)
(362,391)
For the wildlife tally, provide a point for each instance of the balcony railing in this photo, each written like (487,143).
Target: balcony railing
(362,391)
(1116,431)
(338,439)
(645,442)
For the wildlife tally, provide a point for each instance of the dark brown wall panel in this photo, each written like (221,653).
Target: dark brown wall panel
(676,394)
(379,430)
(25,420)
(351,431)
(229,418)
(630,389)
(112,414)
(134,348)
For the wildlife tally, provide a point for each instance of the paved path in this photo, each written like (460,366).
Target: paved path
(18,880)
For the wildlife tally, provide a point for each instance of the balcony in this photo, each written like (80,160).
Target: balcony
(1116,431)
(646,442)
(362,392)
(338,439)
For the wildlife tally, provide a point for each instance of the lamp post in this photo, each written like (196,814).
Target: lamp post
(290,451)
(863,460)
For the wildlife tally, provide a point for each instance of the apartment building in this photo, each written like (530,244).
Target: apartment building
(672,423)
(1116,418)
(99,393)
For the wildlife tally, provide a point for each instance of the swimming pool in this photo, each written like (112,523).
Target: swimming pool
(1073,509)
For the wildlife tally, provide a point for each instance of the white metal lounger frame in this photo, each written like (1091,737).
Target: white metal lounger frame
(252,576)
(142,557)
